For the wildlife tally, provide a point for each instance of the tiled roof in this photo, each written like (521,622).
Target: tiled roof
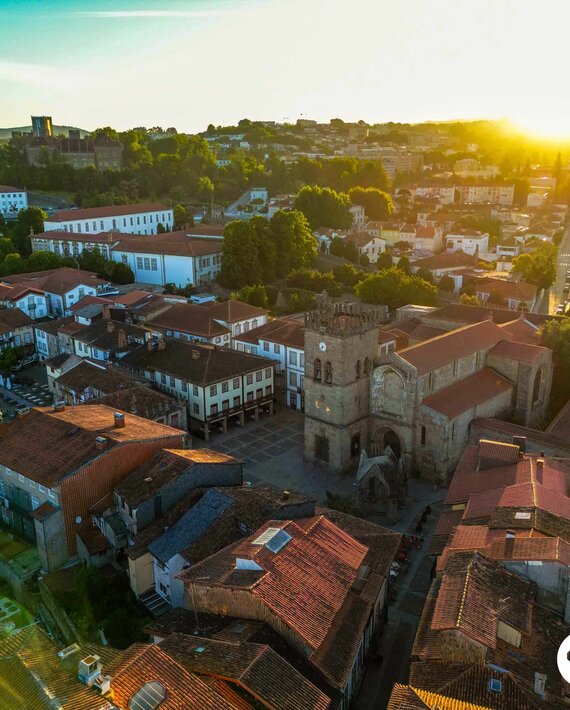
(107,211)
(232,311)
(93,539)
(285,331)
(142,401)
(46,445)
(188,318)
(183,688)
(522,331)
(468,394)
(459,313)
(260,671)
(452,346)
(13,318)
(404,697)
(498,451)
(454,260)
(518,351)
(8,188)
(104,379)
(508,289)
(58,281)
(560,425)
(44,511)
(361,239)
(104,334)
(198,364)
(170,243)
(130,298)
(321,583)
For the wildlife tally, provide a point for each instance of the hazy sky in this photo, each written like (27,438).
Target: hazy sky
(187,63)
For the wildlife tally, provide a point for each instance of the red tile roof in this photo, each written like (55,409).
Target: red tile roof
(522,331)
(232,310)
(171,243)
(284,331)
(188,318)
(452,346)
(107,211)
(498,451)
(468,394)
(518,351)
(519,290)
(58,281)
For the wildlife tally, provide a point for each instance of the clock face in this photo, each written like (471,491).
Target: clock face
(322,347)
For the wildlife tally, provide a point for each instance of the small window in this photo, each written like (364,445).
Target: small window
(213,390)
(423,436)
(259,375)
(225,386)
(328,373)
(317,369)
(195,408)
(236,383)
(321,448)
(195,390)
(268,372)
(249,379)
(266,346)
(357,370)
(496,685)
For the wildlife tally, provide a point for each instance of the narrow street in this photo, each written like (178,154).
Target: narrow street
(556,290)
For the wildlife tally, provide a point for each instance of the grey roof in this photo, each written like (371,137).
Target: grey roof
(191,525)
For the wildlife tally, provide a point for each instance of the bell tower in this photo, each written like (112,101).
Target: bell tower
(341,342)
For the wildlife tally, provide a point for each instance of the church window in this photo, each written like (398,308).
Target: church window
(357,369)
(366,366)
(423,436)
(328,373)
(453,431)
(317,369)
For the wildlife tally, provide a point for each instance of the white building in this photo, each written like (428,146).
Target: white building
(217,383)
(469,241)
(184,258)
(238,317)
(141,218)
(358,217)
(62,287)
(367,245)
(283,341)
(486,193)
(30,300)
(12,200)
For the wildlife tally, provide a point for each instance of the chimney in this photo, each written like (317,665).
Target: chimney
(119,420)
(59,406)
(106,312)
(122,339)
(110,327)
(100,443)
(286,495)
(520,441)
(540,469)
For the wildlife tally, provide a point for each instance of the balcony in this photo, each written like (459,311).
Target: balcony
(243,407)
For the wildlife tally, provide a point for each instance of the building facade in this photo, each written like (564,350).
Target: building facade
(141,218)
(12,200)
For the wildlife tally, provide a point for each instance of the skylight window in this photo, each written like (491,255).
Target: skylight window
(274,539)
(496,685)
(148,697)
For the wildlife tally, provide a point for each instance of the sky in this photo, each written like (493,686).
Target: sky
(188,63)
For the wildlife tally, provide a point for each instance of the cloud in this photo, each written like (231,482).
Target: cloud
(39,75)
(128,14)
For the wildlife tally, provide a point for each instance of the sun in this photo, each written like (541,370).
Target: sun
(546,127)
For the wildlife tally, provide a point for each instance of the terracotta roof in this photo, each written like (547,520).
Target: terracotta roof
(508,289)
(93,539)
(189,318)
(560,425)
(452,346)
(171,243)
(130,298)
(44,511)
(404,697)
(256,668)
(58,281)
(460,313)
(88,301)
(285,331)
(142,401)
(425,332)
(182,688)
(102,378)
(309,584)
(107,211)
(425,232)
(13,318)
(198,364)
(522,331)
(164,468)
(70,436)
(13,293)
(468,394)
(232,311)
(361,239)
(454,260)
(498,451)
(8,188)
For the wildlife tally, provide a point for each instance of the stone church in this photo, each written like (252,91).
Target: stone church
(417,402)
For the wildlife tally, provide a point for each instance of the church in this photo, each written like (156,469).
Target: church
(420,400)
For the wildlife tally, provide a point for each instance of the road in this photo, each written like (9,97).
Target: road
(556,296)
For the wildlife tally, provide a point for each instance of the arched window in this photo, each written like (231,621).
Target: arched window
(357,368)
(317,369)
(328,373)
(423,436)
(366,366)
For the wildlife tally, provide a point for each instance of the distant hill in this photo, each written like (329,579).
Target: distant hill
(6,133)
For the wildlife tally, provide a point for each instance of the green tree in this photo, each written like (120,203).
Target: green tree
(240,260)
(255,295)
(447,284)
(384,261)
(92,260)
(404,264)
(538,267)
(205,188)
(425,274)
(182,218)
(348,274)
(12,264)
(324,207)
(495,298)
(364,260)
(121,273)
(43,260)
(295,244)
(378,205)
(467,300)
(29,221)
(9,358)
(394,288)
(351,252)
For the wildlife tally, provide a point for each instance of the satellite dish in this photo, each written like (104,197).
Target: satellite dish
(78,520)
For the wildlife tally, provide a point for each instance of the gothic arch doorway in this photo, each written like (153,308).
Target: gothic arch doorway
(383,437)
